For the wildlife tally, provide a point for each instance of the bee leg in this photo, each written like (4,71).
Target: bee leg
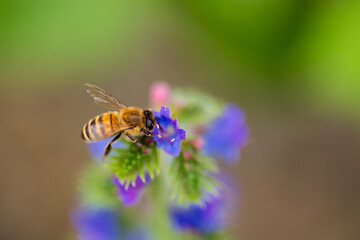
(109,146)
(134,140)
(147,133)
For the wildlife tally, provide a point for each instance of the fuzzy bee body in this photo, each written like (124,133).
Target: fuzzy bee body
(132,121)
(101,127)
(108,124)
(133,116)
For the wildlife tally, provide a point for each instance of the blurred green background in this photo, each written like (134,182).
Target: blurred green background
(293,65)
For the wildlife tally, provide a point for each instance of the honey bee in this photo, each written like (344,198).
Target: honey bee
(132,121)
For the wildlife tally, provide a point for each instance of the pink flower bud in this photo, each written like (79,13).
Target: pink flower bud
(187,155)
(198,143)
(160,94)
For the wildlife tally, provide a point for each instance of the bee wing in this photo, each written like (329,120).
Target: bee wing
(103,98)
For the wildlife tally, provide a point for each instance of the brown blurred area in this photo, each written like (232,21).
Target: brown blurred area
(303,182)
(299,175)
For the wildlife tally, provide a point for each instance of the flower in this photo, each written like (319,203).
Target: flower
(160,94)
(97,149)
(167,134)
(130,195)
(199,219)
(227,134)
(210,217)
(96,223)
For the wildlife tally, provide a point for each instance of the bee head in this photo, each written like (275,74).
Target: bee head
(150,119)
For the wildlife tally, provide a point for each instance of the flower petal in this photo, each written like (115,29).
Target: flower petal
(168,135)
(227,135)
(94,223)
(131,195)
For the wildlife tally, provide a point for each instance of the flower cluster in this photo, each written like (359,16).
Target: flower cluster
(172,174)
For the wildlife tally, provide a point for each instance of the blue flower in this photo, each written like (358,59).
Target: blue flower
(132,194)
(97,149)
(168,135)
(199,219)
(212,216)
(96,223)
(227,135)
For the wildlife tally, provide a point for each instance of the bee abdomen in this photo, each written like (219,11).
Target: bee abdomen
(101,127)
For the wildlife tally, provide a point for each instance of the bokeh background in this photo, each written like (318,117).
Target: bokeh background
(292,65)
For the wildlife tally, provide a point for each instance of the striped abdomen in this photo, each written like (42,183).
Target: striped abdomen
(101,127)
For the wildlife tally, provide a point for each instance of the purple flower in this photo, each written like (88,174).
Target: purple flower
(211,217)
(93,223)
(96,223)
(167,134)
(227,135)
(199,219)
(131,195)
(97,149)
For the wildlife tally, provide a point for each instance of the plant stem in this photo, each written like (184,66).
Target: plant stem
(161,221)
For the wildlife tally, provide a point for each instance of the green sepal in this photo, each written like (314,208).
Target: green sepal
(191,176)
(192,107)
(132,161)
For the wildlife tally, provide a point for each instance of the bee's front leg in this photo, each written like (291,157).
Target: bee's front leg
(147,133)
(134,140)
